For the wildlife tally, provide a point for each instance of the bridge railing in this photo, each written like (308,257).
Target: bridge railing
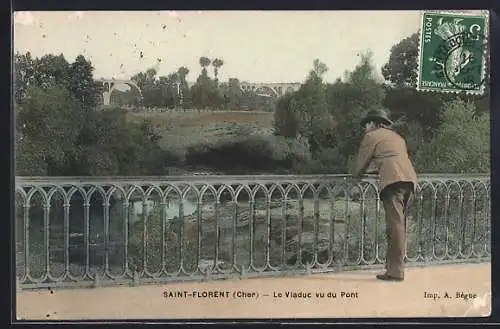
(75,231)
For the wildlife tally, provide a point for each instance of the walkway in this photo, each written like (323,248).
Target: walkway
(358,294)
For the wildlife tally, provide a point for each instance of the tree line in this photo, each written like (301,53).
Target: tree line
(444,132)
(59,131)
(173,91)
(316,129)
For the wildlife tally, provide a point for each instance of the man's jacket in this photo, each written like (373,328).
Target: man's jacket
(385,151)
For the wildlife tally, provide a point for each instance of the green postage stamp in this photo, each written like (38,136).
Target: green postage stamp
(453,52)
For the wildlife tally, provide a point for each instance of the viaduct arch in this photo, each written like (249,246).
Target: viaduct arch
(110,85)
(272,89)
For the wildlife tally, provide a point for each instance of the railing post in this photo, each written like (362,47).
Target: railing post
(251,221)
(268,231)
(66,236)
(97,280)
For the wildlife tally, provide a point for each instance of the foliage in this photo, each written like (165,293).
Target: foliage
(47,131)
(51,71)
(233,95)
(462,143)
(217,63)
(126,148)
(172,91)
(402,67)
(410,105)
(286,120)
(349,100)
(415,136)
(164,91)
(402,97)
(59,132)
(205,92)
(316,129)
(250,153)
(305,112)
(81,82)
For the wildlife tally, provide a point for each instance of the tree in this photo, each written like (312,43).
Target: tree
(45,72)
(462,144)
(217,63)
(81,82)
(24,74)
(401,69)
(402,99)
(233,95)
(48,124)
(205,92)
(146,81)
(204,62)
(51,70)
(305,112)
(58,133)
(286,120)
(413,106)
(313,109)
(169,89)
(186,93)
(349,100)
(183,72)
(319,69)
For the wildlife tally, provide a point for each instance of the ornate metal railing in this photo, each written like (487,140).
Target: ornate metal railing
(93,230)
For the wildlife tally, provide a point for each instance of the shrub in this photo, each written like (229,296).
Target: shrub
(462,143)
(254,153)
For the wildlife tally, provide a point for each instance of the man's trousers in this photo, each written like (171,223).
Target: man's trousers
(395,198)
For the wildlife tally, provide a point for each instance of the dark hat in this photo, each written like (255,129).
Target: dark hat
(377,115)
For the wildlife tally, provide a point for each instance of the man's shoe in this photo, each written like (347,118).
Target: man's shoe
(387,277)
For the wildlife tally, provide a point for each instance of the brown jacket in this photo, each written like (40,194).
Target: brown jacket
(385,151)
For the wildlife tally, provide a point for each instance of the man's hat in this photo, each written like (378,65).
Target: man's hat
(377,115)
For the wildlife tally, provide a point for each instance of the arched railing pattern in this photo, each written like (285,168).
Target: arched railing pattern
(73,231)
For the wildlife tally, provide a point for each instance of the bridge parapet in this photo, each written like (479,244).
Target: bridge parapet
(73,231)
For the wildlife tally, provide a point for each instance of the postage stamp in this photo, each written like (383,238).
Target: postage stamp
(452,53)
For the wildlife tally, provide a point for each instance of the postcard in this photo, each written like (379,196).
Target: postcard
(252,164)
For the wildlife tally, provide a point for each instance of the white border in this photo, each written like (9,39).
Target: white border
(473,13)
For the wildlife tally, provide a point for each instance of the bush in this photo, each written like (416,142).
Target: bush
(56,136)
(250,153)
(462,143)
(48,122)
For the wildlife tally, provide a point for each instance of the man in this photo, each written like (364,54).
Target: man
(384,151)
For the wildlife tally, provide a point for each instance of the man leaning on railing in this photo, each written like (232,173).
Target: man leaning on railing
(384,152)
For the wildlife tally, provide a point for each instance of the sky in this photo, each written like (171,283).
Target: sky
(256,46)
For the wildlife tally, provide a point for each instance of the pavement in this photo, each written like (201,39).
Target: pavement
(445,291)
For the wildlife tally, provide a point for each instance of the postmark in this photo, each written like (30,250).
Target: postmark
(452,53)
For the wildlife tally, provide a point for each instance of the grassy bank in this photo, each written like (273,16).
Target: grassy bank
(179,130)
